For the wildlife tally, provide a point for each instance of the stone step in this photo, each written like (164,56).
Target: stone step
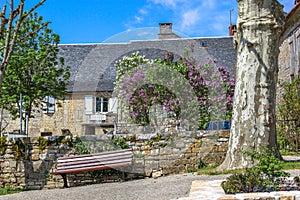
(212,190)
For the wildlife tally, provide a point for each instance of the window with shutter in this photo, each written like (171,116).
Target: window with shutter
(295,54)
(292,56)
(101,104)
(49,105)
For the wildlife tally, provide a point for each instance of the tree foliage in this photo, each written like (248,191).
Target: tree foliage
(10,22)
(34,70)
(288,124)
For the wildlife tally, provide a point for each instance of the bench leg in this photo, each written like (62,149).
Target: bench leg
(64,176)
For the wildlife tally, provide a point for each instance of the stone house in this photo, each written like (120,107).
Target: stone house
(289,57)
(89,108)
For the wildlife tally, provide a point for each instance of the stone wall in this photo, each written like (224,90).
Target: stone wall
(183,151)
(25,164)
(28,165)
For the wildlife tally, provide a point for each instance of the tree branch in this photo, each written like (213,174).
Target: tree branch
(34,31)
(12,32)
(3,21)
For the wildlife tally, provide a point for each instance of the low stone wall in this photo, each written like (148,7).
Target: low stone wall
(168,152)
(25,162)
(27,165)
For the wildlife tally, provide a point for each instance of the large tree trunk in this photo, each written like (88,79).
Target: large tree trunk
(253,123)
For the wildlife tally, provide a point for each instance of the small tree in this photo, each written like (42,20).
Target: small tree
(288,124)
(9,28)
(34,70)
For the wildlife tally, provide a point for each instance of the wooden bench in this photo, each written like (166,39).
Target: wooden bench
(90,162)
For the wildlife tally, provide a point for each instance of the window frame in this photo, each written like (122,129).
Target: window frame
(49,105)
(103,101)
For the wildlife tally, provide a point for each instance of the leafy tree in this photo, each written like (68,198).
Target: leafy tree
(10,23)
(288,124)
(34,70)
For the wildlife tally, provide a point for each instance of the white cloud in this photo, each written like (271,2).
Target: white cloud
(138,19)
(172,3)
(143,11)
(190,18)
(208,4)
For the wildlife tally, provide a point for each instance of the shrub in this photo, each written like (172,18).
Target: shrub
(259,178)
(9,190)
(120,142)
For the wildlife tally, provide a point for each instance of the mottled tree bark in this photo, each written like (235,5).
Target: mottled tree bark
(253,123)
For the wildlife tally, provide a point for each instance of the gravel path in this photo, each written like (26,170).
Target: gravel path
(163,188)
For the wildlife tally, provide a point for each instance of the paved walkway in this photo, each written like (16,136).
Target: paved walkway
(206,190)
(212,190)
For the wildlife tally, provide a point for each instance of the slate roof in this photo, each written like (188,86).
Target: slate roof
(92,65)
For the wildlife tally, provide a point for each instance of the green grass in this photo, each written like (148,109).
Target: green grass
(9,190)
(284,152)
(287,165)
(291,165)
(213,171)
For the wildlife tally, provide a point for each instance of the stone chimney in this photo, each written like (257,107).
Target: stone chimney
(232,29)
(165,31)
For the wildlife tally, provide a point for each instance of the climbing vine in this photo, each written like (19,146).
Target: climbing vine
(141,83)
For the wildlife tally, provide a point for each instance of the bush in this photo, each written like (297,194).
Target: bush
(259,178)
(9,190)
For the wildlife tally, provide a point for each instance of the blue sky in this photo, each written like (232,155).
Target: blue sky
(94,21)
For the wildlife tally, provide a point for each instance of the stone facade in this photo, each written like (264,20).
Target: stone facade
(289,57)
(69,115)
(93,74)
(153,155)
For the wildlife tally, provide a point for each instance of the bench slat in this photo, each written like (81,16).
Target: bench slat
(96,154)
(98,157)
(93,164)
(97,161)
(90,169)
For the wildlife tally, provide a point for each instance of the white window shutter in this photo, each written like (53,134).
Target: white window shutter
(45,107)
(113,104)
(88,104)
(51,107)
